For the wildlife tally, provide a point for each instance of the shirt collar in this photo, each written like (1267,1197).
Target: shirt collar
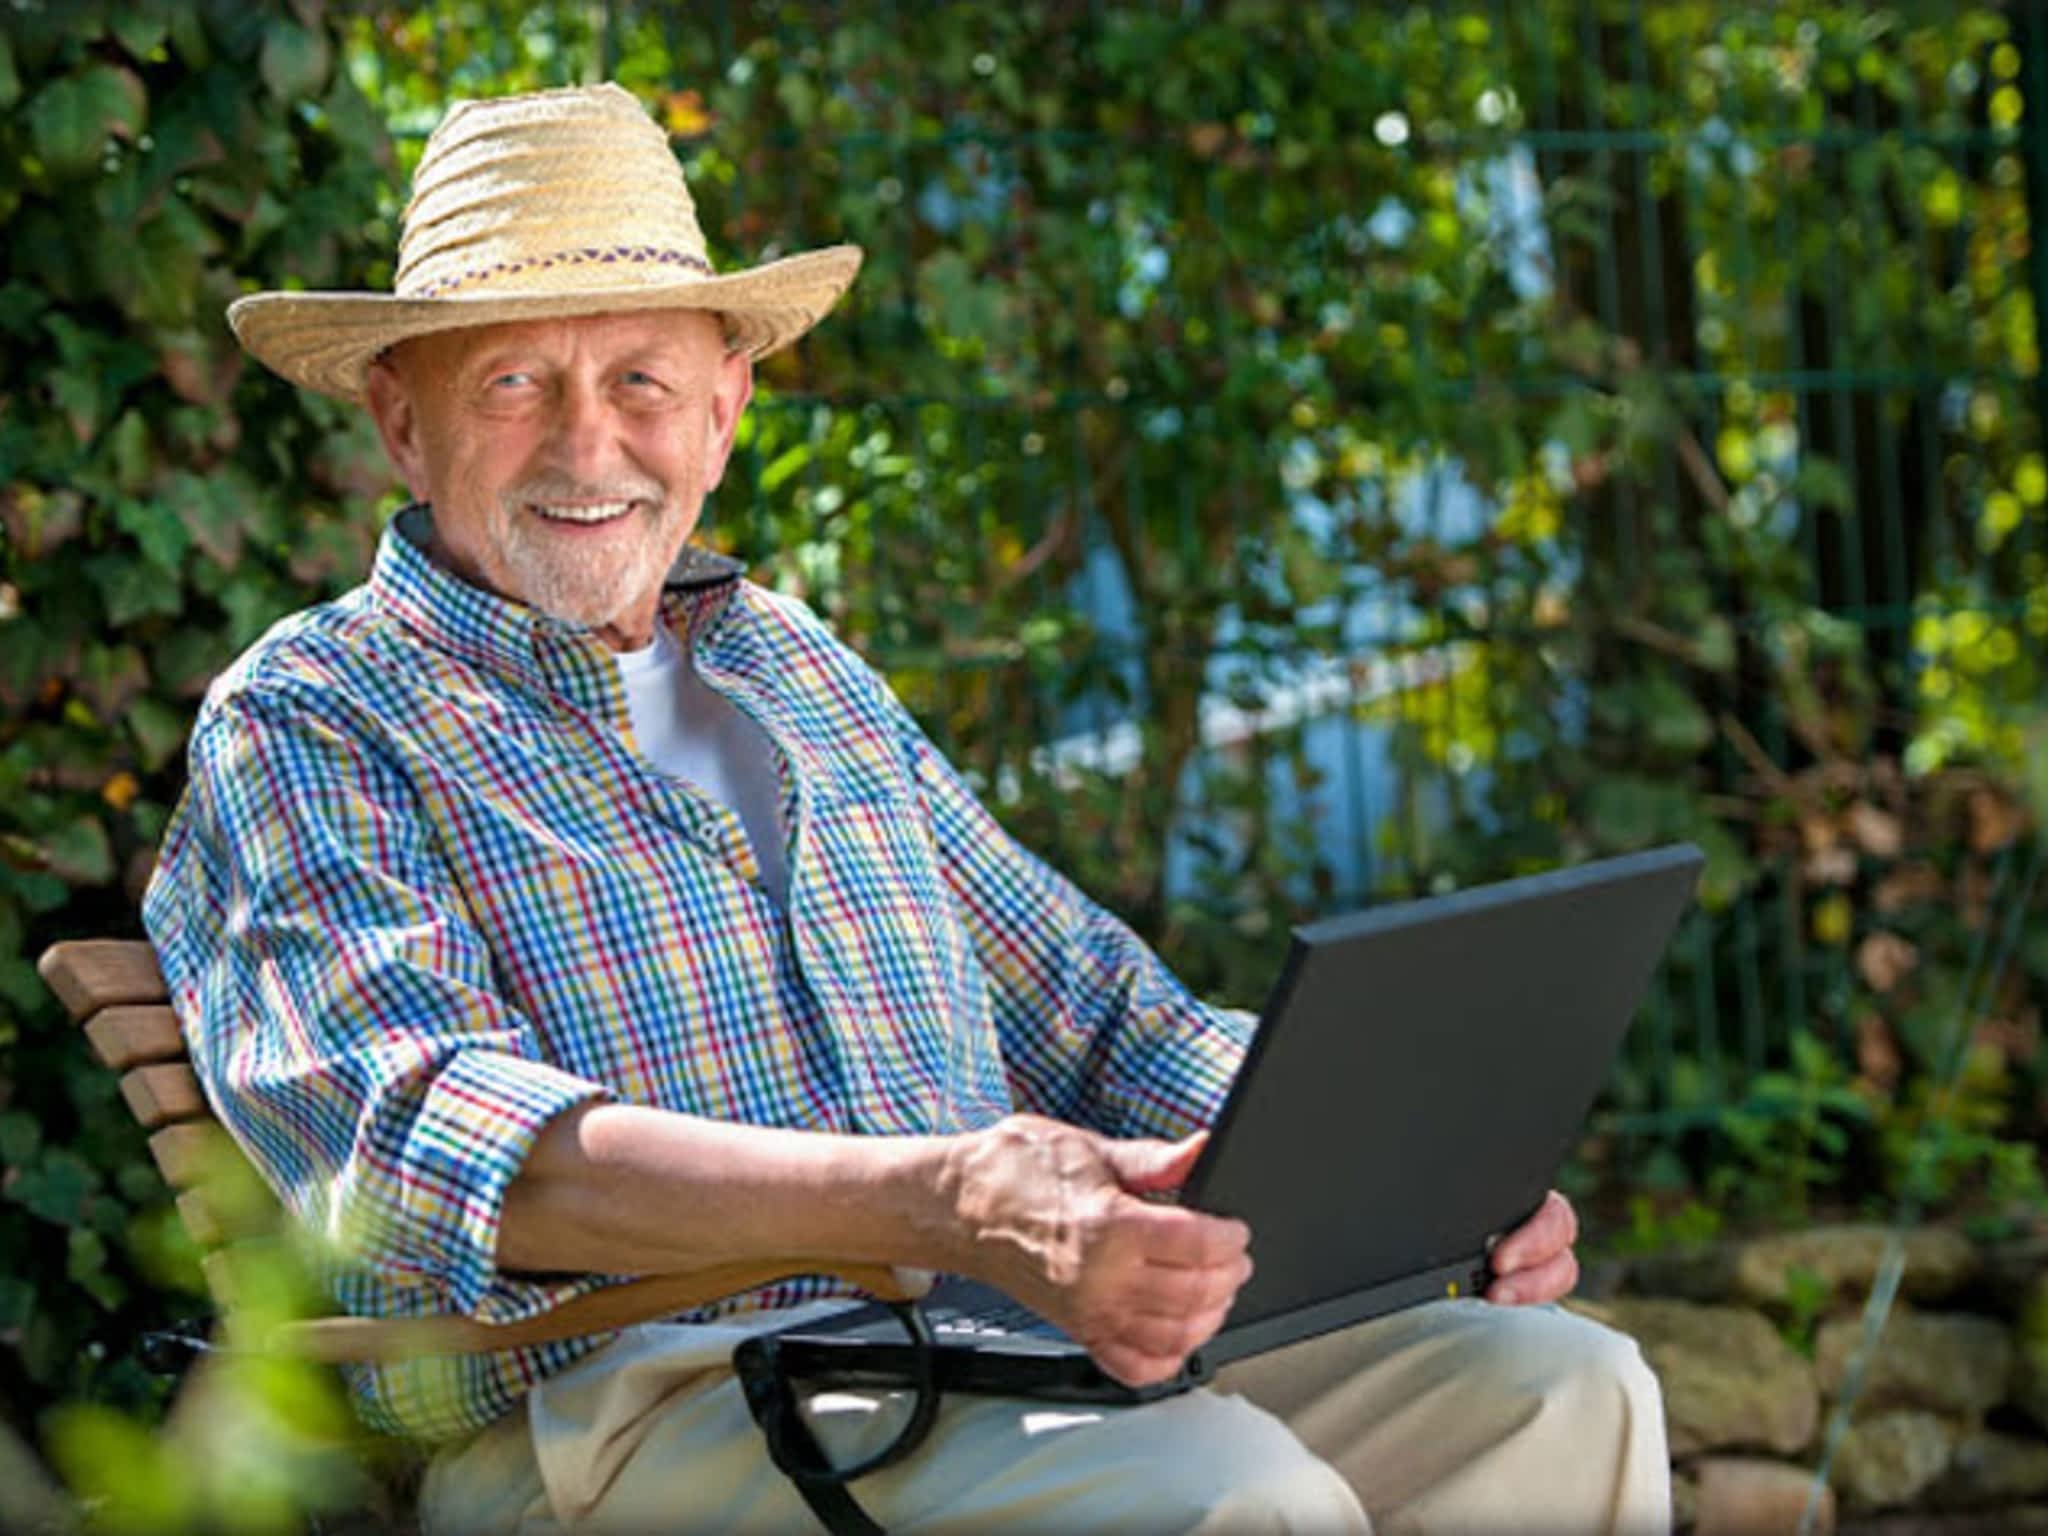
(531,647)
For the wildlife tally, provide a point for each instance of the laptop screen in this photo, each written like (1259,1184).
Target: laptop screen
(1423,1068)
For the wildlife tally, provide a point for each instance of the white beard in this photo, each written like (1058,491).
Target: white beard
(590,587)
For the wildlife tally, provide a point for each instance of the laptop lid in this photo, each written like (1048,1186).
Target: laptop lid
(1419,1074)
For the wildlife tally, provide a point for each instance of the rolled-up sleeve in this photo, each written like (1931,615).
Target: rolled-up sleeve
(340,1007)
(1094,1027)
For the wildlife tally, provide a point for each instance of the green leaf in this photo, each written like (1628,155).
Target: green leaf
(294,61)
(188,37)
(21,986)
(785,464)
(86,1253)
(110,677)
(157,729)
(133,1479)
(169,259)
(79,852)
(158,531)
(20,1136)
(56,1186)
(190,659)
(1633,812)
(207,515)
(139,30)
(252,608)
(127,450)
(77,394)
(10,81)
(71,119)
(132,590)
(86,1267)
(21,305)
(1714,644)
(1677,725)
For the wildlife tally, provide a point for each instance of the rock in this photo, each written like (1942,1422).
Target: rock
(1703,1272)
(1845,1258)
(1749,1496)
(2009,1277)
(1949,1362)
(1892,1459)
(1991,1468)
(2030,1376)
(1729,1381)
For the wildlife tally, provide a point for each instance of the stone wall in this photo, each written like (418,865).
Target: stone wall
(1755,1343)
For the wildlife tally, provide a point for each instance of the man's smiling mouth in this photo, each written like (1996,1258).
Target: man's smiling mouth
(580,512)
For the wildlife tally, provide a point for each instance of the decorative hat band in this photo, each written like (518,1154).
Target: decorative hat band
(588,255)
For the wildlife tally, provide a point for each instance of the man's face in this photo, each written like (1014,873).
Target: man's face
(566,460)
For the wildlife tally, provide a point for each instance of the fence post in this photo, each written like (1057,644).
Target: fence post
(2030,36)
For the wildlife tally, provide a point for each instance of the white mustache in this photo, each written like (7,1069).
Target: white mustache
(552,489)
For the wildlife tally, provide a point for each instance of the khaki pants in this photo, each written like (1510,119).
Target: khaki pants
(1454,1417)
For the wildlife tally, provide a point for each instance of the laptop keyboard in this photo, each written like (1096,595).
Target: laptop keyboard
(998,1316)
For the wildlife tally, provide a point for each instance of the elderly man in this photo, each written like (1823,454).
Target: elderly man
(559,907)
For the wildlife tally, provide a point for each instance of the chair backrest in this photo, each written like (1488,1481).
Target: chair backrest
(114,988)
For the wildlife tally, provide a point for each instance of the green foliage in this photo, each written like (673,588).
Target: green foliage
(1788,1135)
(1651,1229)
(160,503)
(1807,1299)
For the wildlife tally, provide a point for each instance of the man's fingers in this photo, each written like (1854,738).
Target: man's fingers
(1167,1338)
(1179,1291)
(1168,1235)
(1152,1349)
(1547,1281)
(1554,1228)
(1135,1368)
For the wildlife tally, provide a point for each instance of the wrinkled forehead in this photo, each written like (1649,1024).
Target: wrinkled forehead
(691,336)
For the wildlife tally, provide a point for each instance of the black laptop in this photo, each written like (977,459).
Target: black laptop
(1418,1075)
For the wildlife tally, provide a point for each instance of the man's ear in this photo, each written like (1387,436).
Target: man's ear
(730,392)
(396,413)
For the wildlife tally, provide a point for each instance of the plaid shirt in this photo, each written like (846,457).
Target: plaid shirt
(422,895)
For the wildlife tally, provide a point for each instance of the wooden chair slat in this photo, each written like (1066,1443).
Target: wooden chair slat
(215,1215)
(90,974)
(191,1151)
(130,1035)
(220,1267)
(202,1220)
(164,1094)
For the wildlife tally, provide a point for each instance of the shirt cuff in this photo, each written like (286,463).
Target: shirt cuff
(462,1151)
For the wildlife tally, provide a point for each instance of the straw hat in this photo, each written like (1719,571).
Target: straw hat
(530,207)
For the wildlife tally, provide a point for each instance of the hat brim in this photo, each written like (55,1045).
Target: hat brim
(327,341)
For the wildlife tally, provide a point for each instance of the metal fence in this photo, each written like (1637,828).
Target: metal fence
(1721,313)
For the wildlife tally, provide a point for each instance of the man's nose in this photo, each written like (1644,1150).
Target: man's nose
(584,436)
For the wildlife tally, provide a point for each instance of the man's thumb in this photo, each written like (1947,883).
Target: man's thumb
(1148,1166)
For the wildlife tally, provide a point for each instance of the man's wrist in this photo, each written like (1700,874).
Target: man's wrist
(925,1183)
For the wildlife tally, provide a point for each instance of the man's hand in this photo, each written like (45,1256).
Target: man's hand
(1535,1262)
(1056,1217)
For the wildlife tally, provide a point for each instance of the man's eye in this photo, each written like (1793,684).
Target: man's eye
(640,378)
(510,380)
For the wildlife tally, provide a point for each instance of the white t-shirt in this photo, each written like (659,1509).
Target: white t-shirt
(689,731)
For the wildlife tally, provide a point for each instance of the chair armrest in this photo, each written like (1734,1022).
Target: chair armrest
(333,1340)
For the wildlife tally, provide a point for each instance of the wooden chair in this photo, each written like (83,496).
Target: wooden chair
(114,989)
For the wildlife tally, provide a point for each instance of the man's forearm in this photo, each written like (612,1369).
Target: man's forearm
(620,1189)
(1054,1215)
